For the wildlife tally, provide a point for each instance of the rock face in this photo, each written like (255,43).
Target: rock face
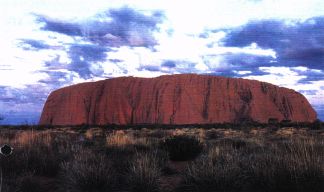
(174,99)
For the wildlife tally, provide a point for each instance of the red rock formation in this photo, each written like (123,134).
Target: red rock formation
(174,99)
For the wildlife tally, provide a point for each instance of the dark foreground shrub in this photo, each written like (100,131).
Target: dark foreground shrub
(88,172)
(28,183)
(41,160)
(182,148)
(119,156)
(145,171)
(213,172)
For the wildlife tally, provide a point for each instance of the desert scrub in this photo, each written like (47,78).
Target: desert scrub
(145,171)
(41,160)
(88,171)
(292,166)
(39,154)
(299,165)
(28,183)
(159,133)
(181,147)
(216,170)
(212,134)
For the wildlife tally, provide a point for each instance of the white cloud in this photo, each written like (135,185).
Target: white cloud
(186,19)
(243,72)
(191,17)
(281,76)
(289,78)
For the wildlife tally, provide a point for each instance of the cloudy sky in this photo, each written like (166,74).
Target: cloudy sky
(48,44)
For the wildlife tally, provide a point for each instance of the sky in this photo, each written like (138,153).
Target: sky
(49,44)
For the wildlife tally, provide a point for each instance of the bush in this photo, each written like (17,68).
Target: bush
(215,171)
(119,156)
(40,160)
(212,134)
(159,133)
(182,148)
(295,166)
(88,172)
(145,171)
(28,183)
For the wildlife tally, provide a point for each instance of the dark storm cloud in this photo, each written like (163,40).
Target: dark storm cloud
(243,61)
(266,33)
(235,74)
(115,27)
(297,44)
(169,64)
(35,94)
(224,73)
(112,28)
(308,92)
(88,52)
(127,27)
(32,44)
(56,78)
(32,96)
(115,60)
(83,56)
(150,68)
(232,63)
(312,57)
(311,75)
(54,64)
(64,27)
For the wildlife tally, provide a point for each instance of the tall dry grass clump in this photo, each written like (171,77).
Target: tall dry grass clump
(123,139)
(120,139)
(294,165)
(87,172)
(19,138)
(36,154)
(145,171)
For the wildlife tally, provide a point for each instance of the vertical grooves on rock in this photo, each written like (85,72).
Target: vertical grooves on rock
(264,87)
(176,99)
(175,102)
(157,106)
(286,108)
(206,100)
(87,105)
(160,116)
(98,98)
